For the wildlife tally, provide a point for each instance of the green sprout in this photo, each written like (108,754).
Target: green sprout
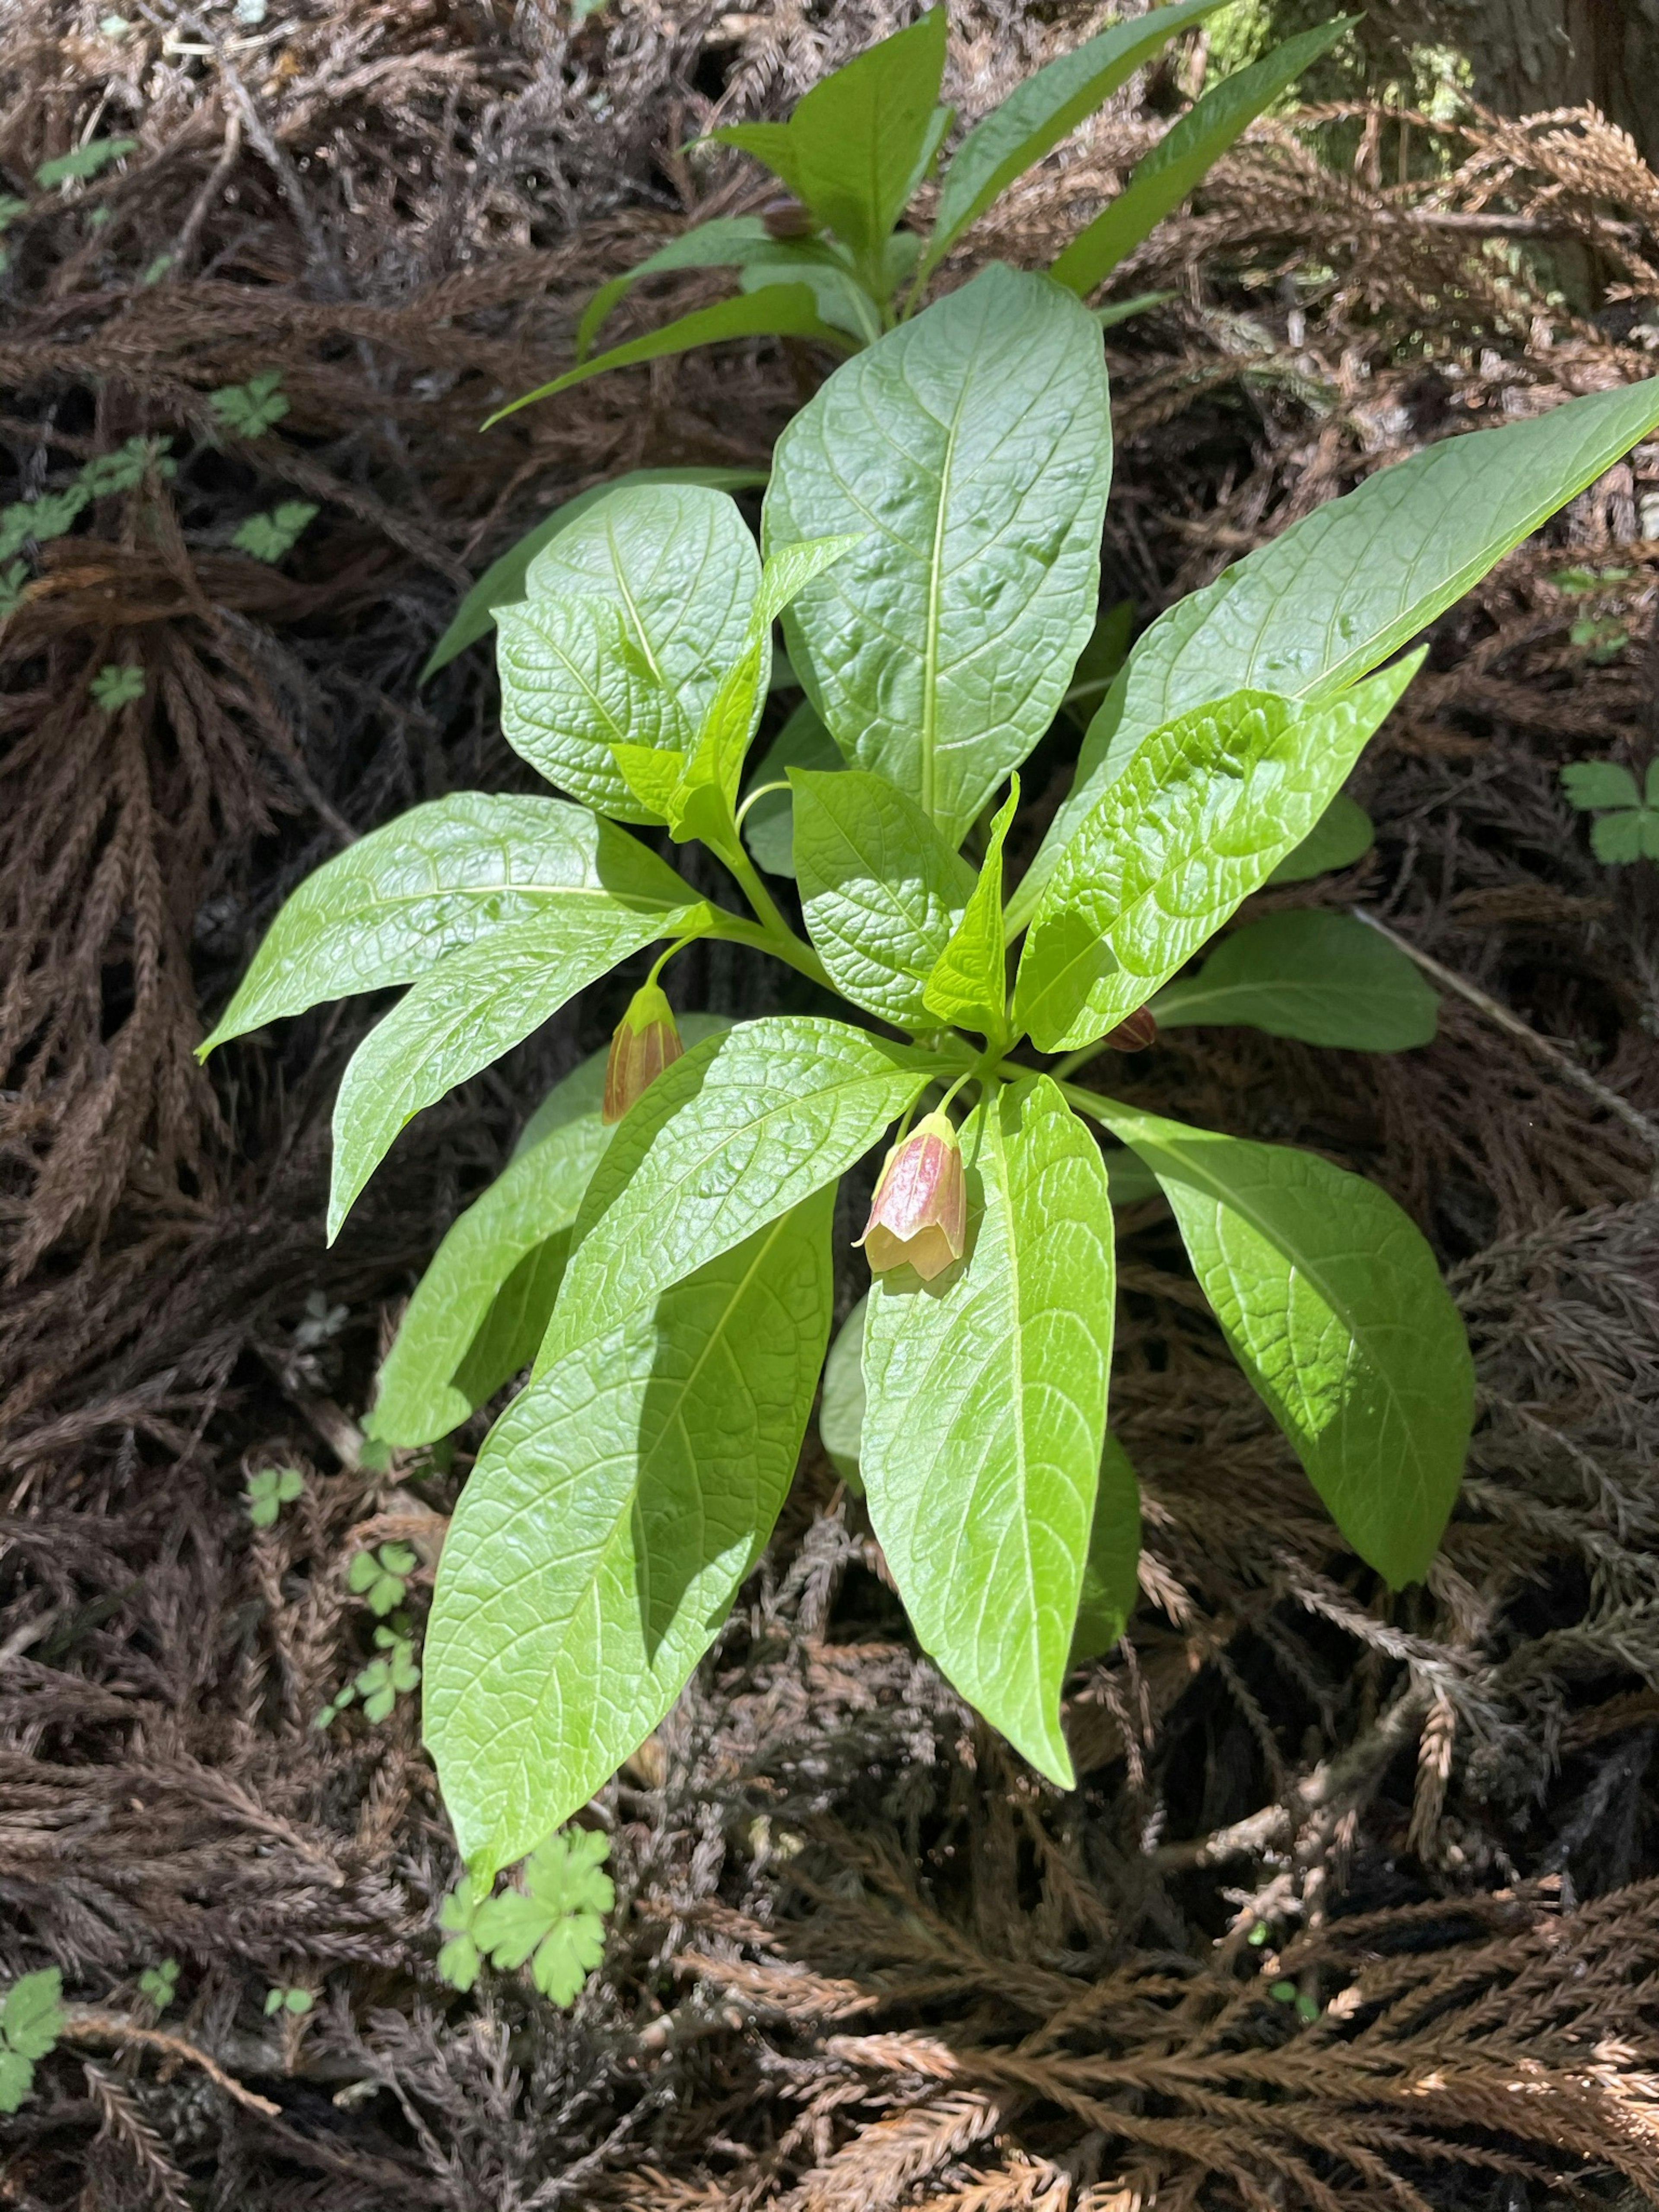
(380,1683)
(270,1490)
(160,1983)
(380,1578)
(557,1921)
(269,537)
(297,2002)
(114,687)
(30,2022)
(250,410)
(85,161)
(1630,830)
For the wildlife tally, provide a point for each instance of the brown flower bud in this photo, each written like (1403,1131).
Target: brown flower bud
(918,1215)
(786,218)
(645,1041)
(1134,1033)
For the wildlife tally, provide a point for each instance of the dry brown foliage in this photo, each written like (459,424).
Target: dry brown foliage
(863,1960)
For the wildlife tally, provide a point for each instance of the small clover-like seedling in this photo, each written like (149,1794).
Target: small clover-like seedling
(1627,820)
(126,468)
(557,1921)
(270,537)
(30,2022)
(385,1679)
(380,1578)
(160,1983)
(270,1490)
(297,2002)
(249,409)
(114,686)
(84,162)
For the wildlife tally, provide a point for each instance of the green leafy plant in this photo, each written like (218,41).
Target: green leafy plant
(269,1490)
(296,2002)
(659,1252)
(14,580)
(84,162)
(30,2022)
(379,1578)
(1627,820)
(249,409)
(557,1921)
(159,1985)
(115,686)
(270,537)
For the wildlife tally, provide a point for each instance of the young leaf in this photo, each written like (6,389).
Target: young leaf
(841,1405)
(974,446)
(474,1006)
(1345,586)
(1333,1306)
(1599,783)
(726,242)
(1342,835)
(32,2017)
(1045,108)
(250,410)
(389,906)
(969,979)
(84,161)
(746,1126)
(557,1920)
(271,537)
(843,303)
(880,890)
(1184,155)
(503,582)
(16,2079)
(855,146)
(636,1478)
(779,311)
(1322,977)
(985,1413)
(1617,838)
(768,824)
(632,618)
(1204,810)
(1109,1585)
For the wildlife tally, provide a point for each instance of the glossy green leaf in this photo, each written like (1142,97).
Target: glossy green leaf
(389,907)
(728,241)
(779,311)
(742,1127)
(614,1510)
(1098,663)
(854,149)
(1346,585)
(502,583)
(768,825)
(1184,155)
(968,983)
(880,890)
(1046,107)
(843,303)
(1342,835)
(974,446)
(634,617)
(1333,1307)
(1322,977)
(474,1006)
(1109,1585)
(841,1407)
(1203,812)
(986,1413)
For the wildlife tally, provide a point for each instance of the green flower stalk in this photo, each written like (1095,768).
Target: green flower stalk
(918,1215)
(645,1040)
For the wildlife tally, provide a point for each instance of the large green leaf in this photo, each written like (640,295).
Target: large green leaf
(615,1508)
(389,906)
(474,1006)
(502,583)
(1334,1308)
(855,145)
(880,889)
(1195,823)
(1046,107)
(768,824)
(1184,155)
(1342,835)
(1322,977)
(1345,586)
(1110,1582)
(974,446)
(985,1413)
(843,303)
(841,1405)
(969,979)
(634,617)
(742,1127)
(782,311)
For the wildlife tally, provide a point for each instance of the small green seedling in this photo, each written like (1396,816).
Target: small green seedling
(557,1920)
(296,2002)
(114,687)
(160,1983)
(270,1490)
(380,1578)
(1627,823)
(382,1682)
(84,162)
(270,537)
(1286,1993)
(30,2022)
(249,409)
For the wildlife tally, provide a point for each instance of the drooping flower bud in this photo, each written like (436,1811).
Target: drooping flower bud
(918,1215)
(1134,1033)
(786,218)
(644,1042)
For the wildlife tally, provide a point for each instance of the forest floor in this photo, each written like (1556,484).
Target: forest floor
(1357,1900)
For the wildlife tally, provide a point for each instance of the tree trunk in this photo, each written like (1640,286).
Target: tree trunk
(1533,54)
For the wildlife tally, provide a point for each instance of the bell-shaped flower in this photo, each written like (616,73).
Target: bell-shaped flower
(918,1215)
(1134,1033)
(644,1042)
